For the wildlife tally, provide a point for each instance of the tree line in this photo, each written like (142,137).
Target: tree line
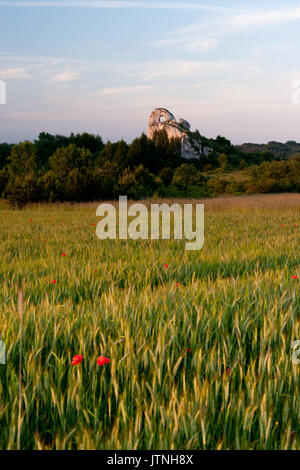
(82,168)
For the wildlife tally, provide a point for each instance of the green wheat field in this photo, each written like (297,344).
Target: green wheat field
(200,351)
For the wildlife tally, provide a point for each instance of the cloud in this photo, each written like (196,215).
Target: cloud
(192,69)
(14,73)
(66,76)
(125,89)
(51,69)
(204,36)
(111,4)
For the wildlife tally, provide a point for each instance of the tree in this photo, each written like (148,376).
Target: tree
(22,160)
(223,161)
(166,175)
(186,174)
(4,177)
(90,142)
(4,153)
(21,190)
(137,184)
(66,159)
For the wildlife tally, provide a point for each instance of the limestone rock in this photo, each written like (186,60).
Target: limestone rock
(161,118)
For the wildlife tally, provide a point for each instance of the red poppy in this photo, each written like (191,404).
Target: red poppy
(94,224)
(177,284)
(189,350)
(54,281)
(101,360)
(166,266)
(77,359)
(295,277)
(30,220)
(63,254)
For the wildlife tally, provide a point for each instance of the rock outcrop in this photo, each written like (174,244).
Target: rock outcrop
(161,118)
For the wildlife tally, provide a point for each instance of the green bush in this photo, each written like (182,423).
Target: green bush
(20,191)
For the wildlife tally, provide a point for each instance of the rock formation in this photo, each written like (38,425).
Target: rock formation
(161,118)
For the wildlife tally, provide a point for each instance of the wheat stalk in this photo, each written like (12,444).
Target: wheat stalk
(20,310)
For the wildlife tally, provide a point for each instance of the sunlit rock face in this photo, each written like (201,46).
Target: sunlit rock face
(161,118)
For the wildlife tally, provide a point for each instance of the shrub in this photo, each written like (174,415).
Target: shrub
(20,191)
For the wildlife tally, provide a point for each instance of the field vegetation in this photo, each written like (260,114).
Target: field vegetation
(199,342)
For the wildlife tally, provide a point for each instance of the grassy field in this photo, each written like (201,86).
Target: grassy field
(200,351)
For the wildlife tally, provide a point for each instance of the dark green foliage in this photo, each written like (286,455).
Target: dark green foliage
(278,149)
(166,176)
(81,168)
(5,150)
(4,177)
(66,159)
(47,144)
(20,191)
(22,160)
(137,184)
(275,177)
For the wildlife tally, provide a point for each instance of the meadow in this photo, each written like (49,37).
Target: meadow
(200,350)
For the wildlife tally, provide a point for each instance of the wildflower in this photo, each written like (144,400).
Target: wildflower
(101,360)
(30,220)
(77,359)
(166,266)
(63,254)
(189,350)
(228,370)
(295,277)
(54,281)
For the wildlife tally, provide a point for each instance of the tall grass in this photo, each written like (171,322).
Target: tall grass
(205,364)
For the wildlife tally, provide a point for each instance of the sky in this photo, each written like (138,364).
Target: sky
(226,66)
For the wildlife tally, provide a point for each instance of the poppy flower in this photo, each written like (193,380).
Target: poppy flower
(63,254)
(94,224)
(295,277)
(189,350)
(101,360)
(30,220)
(166,266)
(54,281)
(177,284)
(77,359)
